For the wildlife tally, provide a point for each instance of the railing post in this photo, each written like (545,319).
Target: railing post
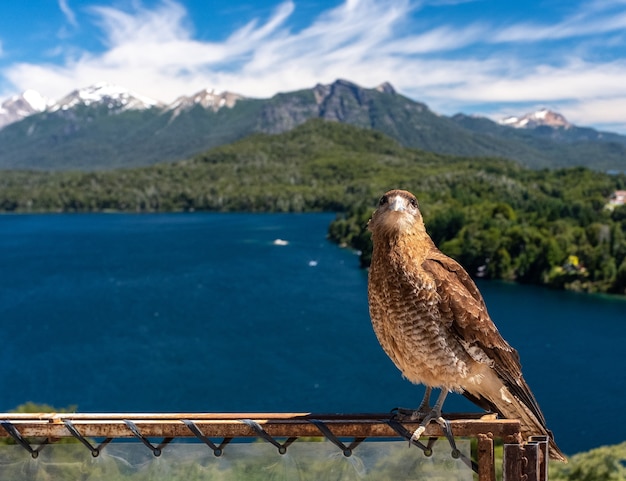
(486,461)
(543,455)
(526,462)
(531,466)
(512,461)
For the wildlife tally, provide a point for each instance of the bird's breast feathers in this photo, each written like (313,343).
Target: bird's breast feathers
(406,317)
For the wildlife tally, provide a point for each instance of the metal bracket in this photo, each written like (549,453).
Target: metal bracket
(156,450)
(217,450)
(347,450)
(15,434)
(95,452)
(256,427)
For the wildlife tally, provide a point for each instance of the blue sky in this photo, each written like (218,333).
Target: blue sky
(485,57)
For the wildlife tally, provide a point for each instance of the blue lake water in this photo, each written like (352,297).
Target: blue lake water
(206,313)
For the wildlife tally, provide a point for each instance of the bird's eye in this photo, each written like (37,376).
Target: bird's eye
(383,200)
(413,202)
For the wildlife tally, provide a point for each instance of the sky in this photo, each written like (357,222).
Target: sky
(494,58)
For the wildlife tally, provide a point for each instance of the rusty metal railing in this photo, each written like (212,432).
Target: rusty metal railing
(522,460)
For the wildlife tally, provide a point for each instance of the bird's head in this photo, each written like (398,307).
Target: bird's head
(397,213)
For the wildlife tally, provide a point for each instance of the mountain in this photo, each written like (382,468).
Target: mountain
(207,99)
(536,119)
(114,97)
(21,106)
(104,127)
(547,139)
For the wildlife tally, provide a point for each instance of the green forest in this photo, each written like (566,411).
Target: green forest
(500,220)
(544,227)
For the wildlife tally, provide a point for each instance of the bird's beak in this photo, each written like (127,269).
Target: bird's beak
(397,204)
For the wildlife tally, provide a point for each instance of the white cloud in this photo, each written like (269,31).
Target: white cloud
(608,111)
(577,80)
(154,52)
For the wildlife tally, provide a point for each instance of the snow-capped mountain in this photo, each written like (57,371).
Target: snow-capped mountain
(19,107)
(536,119)
(207,99)
(114,97)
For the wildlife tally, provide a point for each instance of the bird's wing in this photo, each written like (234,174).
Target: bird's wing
(462,303)
(464,308)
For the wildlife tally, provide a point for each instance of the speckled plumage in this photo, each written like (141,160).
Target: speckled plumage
(431,319)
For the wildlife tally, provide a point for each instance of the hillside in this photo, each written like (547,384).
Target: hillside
(124,130)
(560,146)
(499,219)
(317,166)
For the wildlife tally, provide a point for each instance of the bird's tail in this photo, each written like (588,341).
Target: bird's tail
(498,398)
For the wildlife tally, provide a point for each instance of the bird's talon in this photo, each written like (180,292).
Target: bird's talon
(418,433)
(404,414)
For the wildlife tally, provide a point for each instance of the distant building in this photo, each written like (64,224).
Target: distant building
(617,198)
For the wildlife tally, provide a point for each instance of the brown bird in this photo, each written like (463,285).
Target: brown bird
(431,320)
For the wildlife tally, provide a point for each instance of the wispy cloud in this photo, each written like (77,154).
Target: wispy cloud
(478,65)
(589,21)
(68,12)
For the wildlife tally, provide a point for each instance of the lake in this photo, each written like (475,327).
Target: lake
(210,312)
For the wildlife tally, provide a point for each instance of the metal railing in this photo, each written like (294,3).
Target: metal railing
(521,460)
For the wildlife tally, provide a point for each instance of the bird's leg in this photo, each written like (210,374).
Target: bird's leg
(433,415)
(425,404)
(422,410)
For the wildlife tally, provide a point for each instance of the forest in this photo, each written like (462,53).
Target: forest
(551,228)
(500,220)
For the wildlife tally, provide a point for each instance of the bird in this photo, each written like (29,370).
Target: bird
(431,320)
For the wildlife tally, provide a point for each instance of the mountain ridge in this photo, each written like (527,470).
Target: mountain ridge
(103,127)
(115,97)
